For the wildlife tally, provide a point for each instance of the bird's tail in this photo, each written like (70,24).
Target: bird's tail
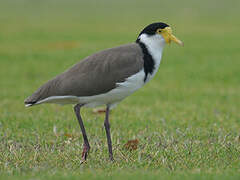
(43,92)
(30,101)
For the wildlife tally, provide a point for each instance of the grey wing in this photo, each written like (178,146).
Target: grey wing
(95,74)
(100,72)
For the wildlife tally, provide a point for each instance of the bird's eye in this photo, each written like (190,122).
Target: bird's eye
(159,31)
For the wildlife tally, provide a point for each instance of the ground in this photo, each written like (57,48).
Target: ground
(186,119)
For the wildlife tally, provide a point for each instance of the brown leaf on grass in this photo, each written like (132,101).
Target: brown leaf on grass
(68,135)
(99,110)
(132,145)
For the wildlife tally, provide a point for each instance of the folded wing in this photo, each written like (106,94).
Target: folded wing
(96,74)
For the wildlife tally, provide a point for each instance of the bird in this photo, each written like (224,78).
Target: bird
(107,77)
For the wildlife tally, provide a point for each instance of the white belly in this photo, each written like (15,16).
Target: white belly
(122,90)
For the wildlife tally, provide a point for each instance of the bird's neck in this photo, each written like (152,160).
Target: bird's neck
(152,47)
(154,44)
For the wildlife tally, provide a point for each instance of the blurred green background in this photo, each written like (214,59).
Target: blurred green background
(186,119)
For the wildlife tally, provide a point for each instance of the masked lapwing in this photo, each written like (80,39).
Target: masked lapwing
(107,77)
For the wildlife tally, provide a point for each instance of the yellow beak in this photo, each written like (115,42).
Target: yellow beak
(168,36)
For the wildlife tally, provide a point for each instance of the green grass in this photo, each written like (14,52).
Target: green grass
(187,118)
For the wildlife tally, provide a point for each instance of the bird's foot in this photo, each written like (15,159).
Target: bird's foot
(83,161)
(111,158)
(86,149)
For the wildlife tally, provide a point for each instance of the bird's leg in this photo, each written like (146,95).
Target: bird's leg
(86,146)
(107,128)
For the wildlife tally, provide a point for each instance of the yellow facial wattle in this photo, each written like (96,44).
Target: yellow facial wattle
(168,36)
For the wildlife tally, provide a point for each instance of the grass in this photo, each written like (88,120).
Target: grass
(186,119)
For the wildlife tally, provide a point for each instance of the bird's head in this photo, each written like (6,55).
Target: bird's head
(158,33)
